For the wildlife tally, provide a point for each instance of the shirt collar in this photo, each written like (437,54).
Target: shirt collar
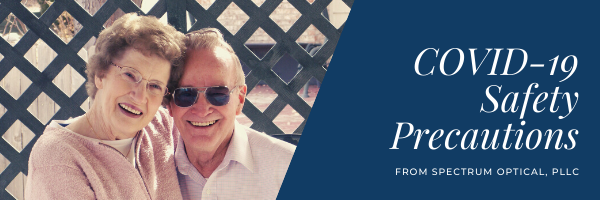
(238,150)
(181,160)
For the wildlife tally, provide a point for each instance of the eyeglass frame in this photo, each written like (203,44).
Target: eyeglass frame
(203,91)
(142,78)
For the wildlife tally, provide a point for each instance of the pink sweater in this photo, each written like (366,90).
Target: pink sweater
(64,165)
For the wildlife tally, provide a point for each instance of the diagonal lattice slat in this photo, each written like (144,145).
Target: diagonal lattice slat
(67,55)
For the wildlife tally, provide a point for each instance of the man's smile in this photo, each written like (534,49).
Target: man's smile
(203,124)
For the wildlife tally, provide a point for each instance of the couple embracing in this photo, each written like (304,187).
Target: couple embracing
(162,124)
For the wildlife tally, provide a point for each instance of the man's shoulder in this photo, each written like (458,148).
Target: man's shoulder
(271,156)
(261,141)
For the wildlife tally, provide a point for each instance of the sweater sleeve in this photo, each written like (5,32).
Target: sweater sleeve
(57,182)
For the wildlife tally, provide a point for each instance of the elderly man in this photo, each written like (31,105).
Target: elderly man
(216,157)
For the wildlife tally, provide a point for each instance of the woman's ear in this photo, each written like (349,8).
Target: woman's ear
(98,82)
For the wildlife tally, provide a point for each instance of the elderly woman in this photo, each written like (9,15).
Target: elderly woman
(122,148)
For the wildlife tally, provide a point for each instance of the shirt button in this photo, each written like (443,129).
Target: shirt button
(208,191)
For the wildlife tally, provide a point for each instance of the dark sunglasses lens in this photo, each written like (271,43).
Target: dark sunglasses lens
(217,96)
(185,97)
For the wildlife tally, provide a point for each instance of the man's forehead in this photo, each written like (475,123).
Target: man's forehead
(209,54)
(224,54)
(208,67)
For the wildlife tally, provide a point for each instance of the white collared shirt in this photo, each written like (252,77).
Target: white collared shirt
(253,168)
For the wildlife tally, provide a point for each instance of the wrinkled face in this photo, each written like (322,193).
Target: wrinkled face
(203,126)
(127,107)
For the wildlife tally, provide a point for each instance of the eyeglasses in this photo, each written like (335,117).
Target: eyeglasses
(132,75)
(216,95)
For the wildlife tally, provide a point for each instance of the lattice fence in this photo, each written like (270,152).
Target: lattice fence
(69,105)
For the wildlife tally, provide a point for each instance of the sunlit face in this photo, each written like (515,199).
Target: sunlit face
(203,126)
(125,106)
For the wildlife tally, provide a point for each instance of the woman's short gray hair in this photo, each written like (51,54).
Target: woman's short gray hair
(144,33)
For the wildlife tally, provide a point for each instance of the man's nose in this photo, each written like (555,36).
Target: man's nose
(202,107)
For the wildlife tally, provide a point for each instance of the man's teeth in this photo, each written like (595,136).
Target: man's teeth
(131,110)
(203,123)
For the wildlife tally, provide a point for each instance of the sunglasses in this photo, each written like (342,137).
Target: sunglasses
(188,96)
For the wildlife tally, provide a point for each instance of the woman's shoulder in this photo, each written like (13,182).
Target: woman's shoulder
(58,147)
(158,140)
(57,139)
(161,119)
(161,125)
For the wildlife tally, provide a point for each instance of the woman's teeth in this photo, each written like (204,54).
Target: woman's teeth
(131,110)
(203,123)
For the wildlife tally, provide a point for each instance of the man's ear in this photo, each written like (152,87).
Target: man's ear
(169,107)
(241,98)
